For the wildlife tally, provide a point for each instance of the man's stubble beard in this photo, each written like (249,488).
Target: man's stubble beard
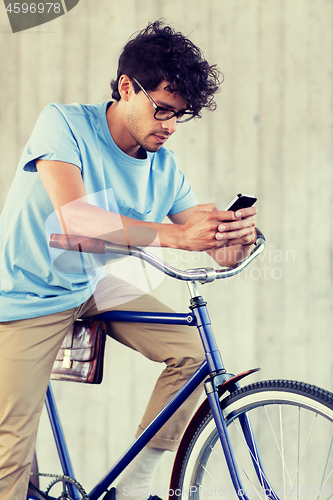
(141,140)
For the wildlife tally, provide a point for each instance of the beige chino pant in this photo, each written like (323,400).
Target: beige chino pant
(27,352)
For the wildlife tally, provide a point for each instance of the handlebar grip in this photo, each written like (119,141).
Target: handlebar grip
(77,243)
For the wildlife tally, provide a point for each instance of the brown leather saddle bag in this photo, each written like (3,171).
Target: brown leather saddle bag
(81,355)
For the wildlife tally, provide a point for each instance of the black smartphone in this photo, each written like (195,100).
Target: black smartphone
(241,201)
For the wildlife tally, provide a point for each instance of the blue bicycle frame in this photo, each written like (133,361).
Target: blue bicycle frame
(213,366)
(212,369)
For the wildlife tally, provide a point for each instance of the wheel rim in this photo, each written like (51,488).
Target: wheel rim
(295,440)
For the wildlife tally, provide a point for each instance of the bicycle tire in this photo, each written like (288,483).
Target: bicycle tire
(292,423)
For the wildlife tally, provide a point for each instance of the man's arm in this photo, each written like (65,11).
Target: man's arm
(197,231)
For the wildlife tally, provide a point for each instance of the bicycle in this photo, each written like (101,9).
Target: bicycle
(272,439)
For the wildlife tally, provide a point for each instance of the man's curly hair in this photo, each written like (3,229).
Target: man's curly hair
(160,53)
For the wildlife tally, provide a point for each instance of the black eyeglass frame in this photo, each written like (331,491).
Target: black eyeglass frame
(158,108)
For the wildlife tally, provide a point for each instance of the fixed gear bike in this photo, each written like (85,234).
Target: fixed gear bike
(271,439)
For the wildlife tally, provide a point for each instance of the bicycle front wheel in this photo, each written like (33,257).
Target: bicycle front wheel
(291,424)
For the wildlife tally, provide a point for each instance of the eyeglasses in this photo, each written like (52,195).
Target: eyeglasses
(163,114)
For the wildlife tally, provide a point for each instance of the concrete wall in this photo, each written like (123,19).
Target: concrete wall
(271,135)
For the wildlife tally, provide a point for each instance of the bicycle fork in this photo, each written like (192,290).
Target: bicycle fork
(218,377)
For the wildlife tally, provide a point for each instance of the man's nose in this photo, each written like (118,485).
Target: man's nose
(170,125)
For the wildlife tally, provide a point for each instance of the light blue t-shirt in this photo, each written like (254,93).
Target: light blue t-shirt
(144,189)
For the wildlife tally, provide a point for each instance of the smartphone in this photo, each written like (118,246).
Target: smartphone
(241,201)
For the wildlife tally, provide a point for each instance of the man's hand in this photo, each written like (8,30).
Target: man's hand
(209,228)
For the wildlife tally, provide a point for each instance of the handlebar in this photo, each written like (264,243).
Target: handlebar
(203,275)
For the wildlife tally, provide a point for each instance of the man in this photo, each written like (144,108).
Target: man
(103,170)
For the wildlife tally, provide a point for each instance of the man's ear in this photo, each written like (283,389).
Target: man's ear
(125,87)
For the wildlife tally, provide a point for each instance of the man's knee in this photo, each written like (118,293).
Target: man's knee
(193,357)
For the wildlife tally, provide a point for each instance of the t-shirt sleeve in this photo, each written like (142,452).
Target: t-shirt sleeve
(52,139)
(185,197)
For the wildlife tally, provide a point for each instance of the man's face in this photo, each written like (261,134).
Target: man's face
(148,132)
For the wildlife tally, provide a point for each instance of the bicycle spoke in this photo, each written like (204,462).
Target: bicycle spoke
(305,447)
(330,474)
(254,458)
(322,484)
(216,453)
(282,453)
(284,467)
(257,490)
(215,480)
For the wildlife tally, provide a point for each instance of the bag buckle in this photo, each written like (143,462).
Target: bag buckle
(67,362)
